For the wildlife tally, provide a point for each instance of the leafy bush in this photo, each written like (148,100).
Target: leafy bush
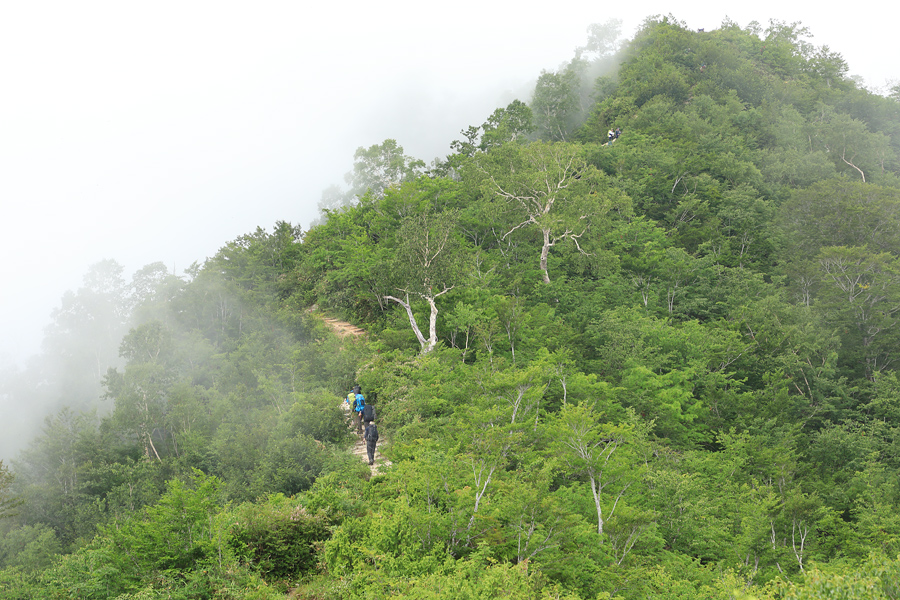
(278,536)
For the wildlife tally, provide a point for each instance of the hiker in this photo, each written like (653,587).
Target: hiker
(368,414)
(357,404)
(617,132)
(612,135)
(371,437)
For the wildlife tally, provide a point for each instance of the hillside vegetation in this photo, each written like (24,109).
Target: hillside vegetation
(658,368)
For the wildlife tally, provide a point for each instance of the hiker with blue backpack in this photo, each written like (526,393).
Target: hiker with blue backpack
(371,432)
(357,403)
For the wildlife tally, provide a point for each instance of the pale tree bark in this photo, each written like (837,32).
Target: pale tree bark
(799,533)
(426,345)
(529,542)
(427,261)
(607,455)
(595,454)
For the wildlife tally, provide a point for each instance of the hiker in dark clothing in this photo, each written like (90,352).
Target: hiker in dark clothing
(368,414)
(371,437)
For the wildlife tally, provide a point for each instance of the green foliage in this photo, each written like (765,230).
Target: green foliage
(381,166)
(510,124)
(178,547)
(688,581)
(875,579)
(555,104)
(839,212)
(278,536)
(550,188)
(16,584)
(29,547)
(289,464)
(261,262)
(7,501)
(474,577)
(176,533)
(700,403)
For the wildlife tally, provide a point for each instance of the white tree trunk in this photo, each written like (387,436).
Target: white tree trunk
(426,345)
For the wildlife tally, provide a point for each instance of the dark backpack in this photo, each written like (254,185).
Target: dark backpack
(369,413)
(372,433)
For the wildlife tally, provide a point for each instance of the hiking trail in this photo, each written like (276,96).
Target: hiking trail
(359,447)
(343,329)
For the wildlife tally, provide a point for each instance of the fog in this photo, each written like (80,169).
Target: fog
(160,131)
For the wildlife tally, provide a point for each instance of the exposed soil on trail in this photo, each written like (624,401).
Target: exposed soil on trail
(342,328)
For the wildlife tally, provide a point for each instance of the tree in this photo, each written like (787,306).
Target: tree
(609,455)
(604,39)
(556,103)
(149,284)
(141,391)
(82,340)
(550,187)
(840,212)
(510,124)
(848,141)
(861,291)
(894,91)
(31,547)
(174,534)
(7,501)
(49,474)
(876,579)
(381,166)
(428,264)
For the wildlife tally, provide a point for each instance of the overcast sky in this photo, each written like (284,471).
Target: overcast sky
(159,131)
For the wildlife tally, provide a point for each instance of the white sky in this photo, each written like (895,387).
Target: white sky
(159,131)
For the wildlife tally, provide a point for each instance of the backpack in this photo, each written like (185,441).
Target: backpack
(372,433)
(369,413)
(351,399)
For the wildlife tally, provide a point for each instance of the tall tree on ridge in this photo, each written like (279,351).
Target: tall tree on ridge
(548,186)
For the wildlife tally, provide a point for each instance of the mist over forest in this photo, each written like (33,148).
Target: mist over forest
(630,333)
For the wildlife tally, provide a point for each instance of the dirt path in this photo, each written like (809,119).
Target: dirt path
(341,328)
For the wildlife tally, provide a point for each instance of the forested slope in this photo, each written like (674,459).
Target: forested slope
(662,367)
